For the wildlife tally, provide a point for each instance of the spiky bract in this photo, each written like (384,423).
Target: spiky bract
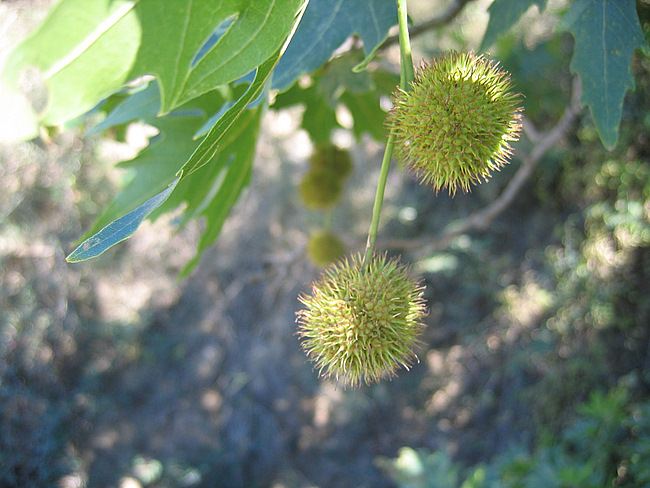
(324,247)
(455,124)
(361,322)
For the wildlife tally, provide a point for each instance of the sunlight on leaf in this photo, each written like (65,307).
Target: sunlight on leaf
(119,229)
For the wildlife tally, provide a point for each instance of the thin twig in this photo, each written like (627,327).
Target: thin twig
(452,10)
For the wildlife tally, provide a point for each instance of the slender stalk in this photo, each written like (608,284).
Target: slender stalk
(379,199)
(406,77)
(406,57)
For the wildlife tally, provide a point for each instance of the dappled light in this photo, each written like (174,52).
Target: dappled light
(175,359)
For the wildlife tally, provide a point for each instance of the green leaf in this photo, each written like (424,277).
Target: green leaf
(143,103)
(338,75)
(119,229)
(229,174)
(175,34)
(325,26)
(18,122)
(367,114)
(606,33)
(158,164)
(319,117)
(503,15)
(88,49)
(83,50)
(335,84)
(210,144)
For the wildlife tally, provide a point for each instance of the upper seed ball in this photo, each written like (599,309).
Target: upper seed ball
(453,127)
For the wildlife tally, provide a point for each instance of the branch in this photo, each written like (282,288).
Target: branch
(481,219)
(452,10)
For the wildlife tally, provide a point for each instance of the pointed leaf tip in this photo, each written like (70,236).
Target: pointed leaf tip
(120,229)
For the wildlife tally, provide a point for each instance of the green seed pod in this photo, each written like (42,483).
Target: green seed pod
(454,126)
(321,189)
(324,247)
(361,323)
(330,157)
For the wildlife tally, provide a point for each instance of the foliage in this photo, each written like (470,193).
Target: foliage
(601,447)
(85,55)
(585,269)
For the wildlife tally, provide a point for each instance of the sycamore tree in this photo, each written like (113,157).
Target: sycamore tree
(204,72)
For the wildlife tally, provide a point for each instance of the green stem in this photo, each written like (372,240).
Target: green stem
(406,58)
(379,199)
(406,77)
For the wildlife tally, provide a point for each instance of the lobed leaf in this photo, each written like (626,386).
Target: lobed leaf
(86,50)
(120,229)
(227,176)
(210,144)
(157,165)
(213,43)
(606,33)
(142,103)
(83,52)
(326,24)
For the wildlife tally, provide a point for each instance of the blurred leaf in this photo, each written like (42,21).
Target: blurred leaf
(542,74)
(325,26)
(606,33)
(367,114)
(87,49)
(503,15)
(319,117)
(338,76)
(159,163)
(255,30)
(84,51)
(18,122)
(334,84)
(365,107)
(119,229)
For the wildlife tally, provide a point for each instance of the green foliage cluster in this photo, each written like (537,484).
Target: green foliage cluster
(606,445)
(208,109)
(213,77)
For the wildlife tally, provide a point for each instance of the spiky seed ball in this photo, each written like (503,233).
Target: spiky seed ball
(454,126)
(321,189)
(331,157)
(361,322)
(324,247)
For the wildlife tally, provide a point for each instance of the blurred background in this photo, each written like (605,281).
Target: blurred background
(535,364)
